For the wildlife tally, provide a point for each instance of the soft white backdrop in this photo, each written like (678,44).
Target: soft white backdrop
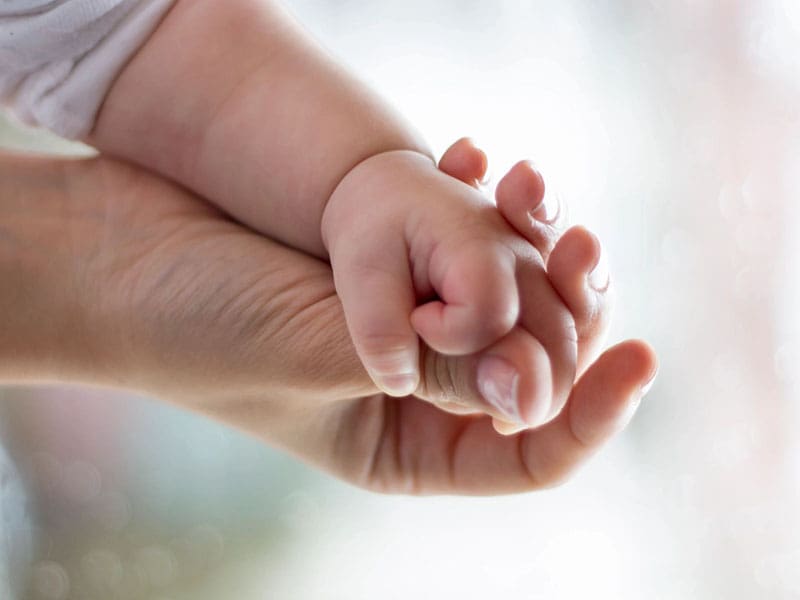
(672,129)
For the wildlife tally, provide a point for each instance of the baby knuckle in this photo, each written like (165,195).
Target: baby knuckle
(499,317)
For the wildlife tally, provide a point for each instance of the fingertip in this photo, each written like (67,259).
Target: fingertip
(580,250)
(455,329)
(519,196)
(477,160)
(644,362)
(465,161)
(626,367)
(514,379)
(577,252)
(397,385)
(521,190)
(578,270)
(394,370)
(599,277)
(602,402)
(534,181)
(642,372)
(609,393)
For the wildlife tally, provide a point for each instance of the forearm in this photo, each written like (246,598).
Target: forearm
(42,326)
(278,99)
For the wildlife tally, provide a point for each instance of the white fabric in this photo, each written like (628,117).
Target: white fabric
(58,58)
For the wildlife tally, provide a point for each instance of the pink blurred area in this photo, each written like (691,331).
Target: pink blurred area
(79,422)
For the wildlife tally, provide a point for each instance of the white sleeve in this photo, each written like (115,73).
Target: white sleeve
(58,58)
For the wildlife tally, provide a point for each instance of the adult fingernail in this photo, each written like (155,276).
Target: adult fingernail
(599,277)
(498,383)
(649,385)
(635,402)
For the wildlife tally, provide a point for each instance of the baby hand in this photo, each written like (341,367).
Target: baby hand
(415,251)
(575,262)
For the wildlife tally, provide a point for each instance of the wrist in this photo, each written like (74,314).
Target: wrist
(360,189)
(262,123)
(42,301)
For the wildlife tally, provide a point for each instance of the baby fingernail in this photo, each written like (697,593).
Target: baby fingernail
(394,370)
(486,179)
(532,166)
(498,382)
(599,277)
(648,386)
(487,170)
(504,428)
(402,384)
(549,211)
(485,166)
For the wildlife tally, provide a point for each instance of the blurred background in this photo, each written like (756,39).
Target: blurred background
(672,129)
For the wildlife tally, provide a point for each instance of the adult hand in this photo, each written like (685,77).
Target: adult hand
(120,278)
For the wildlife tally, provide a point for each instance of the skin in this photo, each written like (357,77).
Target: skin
(116,277)
(254,116)
(491,284)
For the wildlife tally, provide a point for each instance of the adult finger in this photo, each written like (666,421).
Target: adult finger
(426,451)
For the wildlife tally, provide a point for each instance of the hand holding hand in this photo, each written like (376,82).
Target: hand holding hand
(172,298)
